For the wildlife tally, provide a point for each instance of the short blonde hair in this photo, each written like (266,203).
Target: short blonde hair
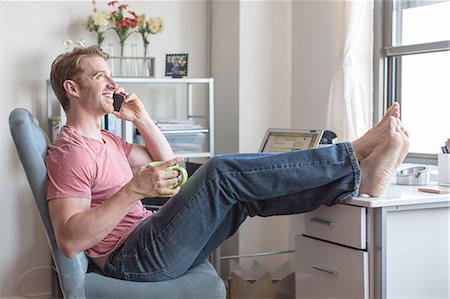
(67,66)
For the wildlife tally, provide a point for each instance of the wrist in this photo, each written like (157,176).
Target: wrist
(146,125)
(130,192)
(143,122)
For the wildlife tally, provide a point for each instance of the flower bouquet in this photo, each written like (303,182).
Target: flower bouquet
(98,23)
(146,27)
(123,21)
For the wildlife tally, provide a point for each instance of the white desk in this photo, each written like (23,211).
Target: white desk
(397,246)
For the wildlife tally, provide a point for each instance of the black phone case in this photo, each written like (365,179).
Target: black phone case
(118,101)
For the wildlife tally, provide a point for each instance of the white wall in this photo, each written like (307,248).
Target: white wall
(251,50)
(265,70)
(31,37)
(313,61)
(225,70)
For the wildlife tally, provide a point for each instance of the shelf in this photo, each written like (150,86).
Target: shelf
(163,80)
(185,131)
(193,155)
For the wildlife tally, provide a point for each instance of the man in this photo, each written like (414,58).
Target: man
(96,180)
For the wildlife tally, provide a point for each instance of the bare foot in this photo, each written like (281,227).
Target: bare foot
(378,168)
(366,144)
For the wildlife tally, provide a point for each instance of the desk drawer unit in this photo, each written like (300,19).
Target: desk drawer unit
(343,224)
(326,270)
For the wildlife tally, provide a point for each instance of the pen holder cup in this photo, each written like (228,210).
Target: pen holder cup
(444,169)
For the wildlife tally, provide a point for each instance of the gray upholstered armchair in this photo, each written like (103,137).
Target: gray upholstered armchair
(74,278)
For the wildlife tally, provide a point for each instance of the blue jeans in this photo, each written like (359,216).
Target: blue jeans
(219,197)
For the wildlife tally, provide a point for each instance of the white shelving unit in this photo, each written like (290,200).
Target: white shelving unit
(208,130)
(127,128)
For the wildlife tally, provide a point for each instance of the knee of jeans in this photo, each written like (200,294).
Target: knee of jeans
(218,166)
(217,163)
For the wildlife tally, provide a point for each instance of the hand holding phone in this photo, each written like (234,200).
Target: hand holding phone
(118,101)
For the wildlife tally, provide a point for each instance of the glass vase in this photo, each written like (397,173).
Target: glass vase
(134,67)
(122,64)
(112,60)
(146,63)
(146,48)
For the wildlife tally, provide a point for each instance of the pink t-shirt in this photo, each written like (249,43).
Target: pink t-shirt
(79,166)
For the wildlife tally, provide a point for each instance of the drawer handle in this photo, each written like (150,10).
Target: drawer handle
(325,269)
(321,221)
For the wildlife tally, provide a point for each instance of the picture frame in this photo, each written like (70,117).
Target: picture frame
(177,65)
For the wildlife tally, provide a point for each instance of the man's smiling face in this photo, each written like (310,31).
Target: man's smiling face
(96,85)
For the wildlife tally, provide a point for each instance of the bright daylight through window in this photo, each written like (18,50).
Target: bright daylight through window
(418,70)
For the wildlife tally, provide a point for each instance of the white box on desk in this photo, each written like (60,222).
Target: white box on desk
(444,169)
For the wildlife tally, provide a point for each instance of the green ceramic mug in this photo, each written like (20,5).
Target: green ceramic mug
(175,167)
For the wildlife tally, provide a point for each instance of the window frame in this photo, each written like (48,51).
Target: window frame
(387,66)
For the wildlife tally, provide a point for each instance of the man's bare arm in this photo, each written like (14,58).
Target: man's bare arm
(155,142)
(78,227)
(156,148)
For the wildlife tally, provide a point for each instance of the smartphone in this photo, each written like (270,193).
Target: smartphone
(118,101)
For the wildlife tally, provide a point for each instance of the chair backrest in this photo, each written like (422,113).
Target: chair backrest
(32,143)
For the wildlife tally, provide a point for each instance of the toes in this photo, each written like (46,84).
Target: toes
(405,132)
(398,124)
(393,124)
(401,129)
(394,110)
(396,114)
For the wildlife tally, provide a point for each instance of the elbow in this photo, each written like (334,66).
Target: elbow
(67,249)
(69,253)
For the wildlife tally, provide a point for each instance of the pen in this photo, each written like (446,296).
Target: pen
(446,148)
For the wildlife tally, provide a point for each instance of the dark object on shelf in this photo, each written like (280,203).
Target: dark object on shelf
(177,65)
(328,137)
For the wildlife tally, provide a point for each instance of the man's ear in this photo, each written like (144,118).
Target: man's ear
(71,87)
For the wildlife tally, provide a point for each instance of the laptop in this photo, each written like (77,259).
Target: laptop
(286,140)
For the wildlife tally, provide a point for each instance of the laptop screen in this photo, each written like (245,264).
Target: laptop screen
(286,140)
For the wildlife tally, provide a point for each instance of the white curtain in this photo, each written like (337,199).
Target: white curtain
(350,96)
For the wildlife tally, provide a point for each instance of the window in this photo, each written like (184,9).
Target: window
(417,70)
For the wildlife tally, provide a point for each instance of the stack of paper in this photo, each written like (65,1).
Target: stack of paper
(169,125)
